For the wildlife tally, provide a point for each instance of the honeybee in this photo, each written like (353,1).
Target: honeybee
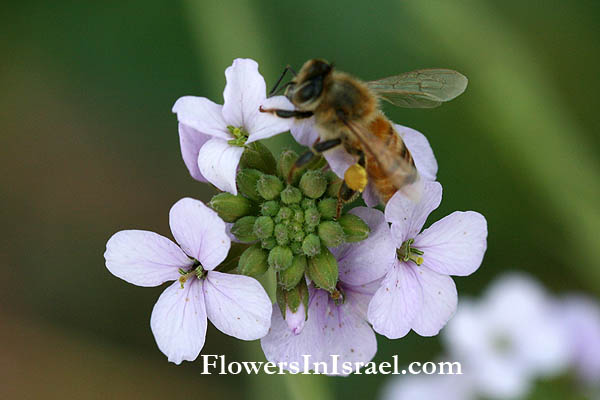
(347,113)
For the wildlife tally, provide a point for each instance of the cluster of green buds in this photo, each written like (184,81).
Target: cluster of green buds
(288,217)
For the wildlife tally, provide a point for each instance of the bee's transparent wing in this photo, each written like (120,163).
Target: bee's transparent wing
(403,175)
(423,88)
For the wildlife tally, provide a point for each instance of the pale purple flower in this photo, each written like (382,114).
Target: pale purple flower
(580,318)
(212,136)
(509,338)
(306,133)
(237,305)
(332,328)
(418,292)
(429,387)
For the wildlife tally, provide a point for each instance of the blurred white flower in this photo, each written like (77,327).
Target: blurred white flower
(580,317)
(509,338)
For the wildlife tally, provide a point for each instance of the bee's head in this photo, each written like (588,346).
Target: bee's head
(306,88)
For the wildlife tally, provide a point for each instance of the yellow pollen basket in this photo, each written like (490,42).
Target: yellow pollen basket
(356,177)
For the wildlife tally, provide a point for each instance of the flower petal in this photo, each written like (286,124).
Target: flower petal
(420,150)
(191,141)
(237,305)
(408,217)
(202,115)
(200,232)
(371,258)
(454,245)
(218,162)
(347,335)
(370,195)
(178,321)
(305,131)
(144,258)
(339,160)
(244,93)
(282,345)
(264,125)
(397,302)
(439,301)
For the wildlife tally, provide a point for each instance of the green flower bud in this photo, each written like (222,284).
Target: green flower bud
(269,187)
(296,247)
(294,227)
(281,234)
(268,243)
(331,233)
(246,182)
(230,207)
(269,208)
(312,217)
(286,161)
(313,184)
(263,227)
(297,236)
(323,270)
(280,258)
(307,204)
(291,195)
(355,229)
(284,214)
(243,229)
(289,278)
(257,156)
(335,183)
(311,246)
(328,207)
(293,297)
(253,261)
(299,216)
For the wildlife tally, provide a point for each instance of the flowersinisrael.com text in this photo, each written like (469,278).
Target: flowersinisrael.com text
(217,364)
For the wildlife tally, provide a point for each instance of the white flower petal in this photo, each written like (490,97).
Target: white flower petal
(200,232)
(420,150)
(282,345)
(408,217)
(144,258)
(347,335)
(339,160)
(370,195)
(244,93)
(202,115)
(304,131)
(454,245)
(178,321)
(191,141)
(218,162)
(371,258)
(439,301)
(264,125)
(396,303)
(237,305)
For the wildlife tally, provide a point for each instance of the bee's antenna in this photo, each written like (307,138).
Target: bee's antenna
(285,70)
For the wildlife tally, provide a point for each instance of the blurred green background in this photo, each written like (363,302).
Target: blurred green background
(89,146)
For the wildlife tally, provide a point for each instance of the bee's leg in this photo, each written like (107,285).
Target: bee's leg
(358,177)
(285,70)
(287,113)
(345,195)
(309,155)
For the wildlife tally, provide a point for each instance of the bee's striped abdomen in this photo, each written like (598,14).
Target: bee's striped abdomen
(389,175)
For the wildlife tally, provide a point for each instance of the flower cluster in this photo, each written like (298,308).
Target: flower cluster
(513,338)
(342,272)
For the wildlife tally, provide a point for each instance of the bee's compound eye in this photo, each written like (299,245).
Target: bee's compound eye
(311,90)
